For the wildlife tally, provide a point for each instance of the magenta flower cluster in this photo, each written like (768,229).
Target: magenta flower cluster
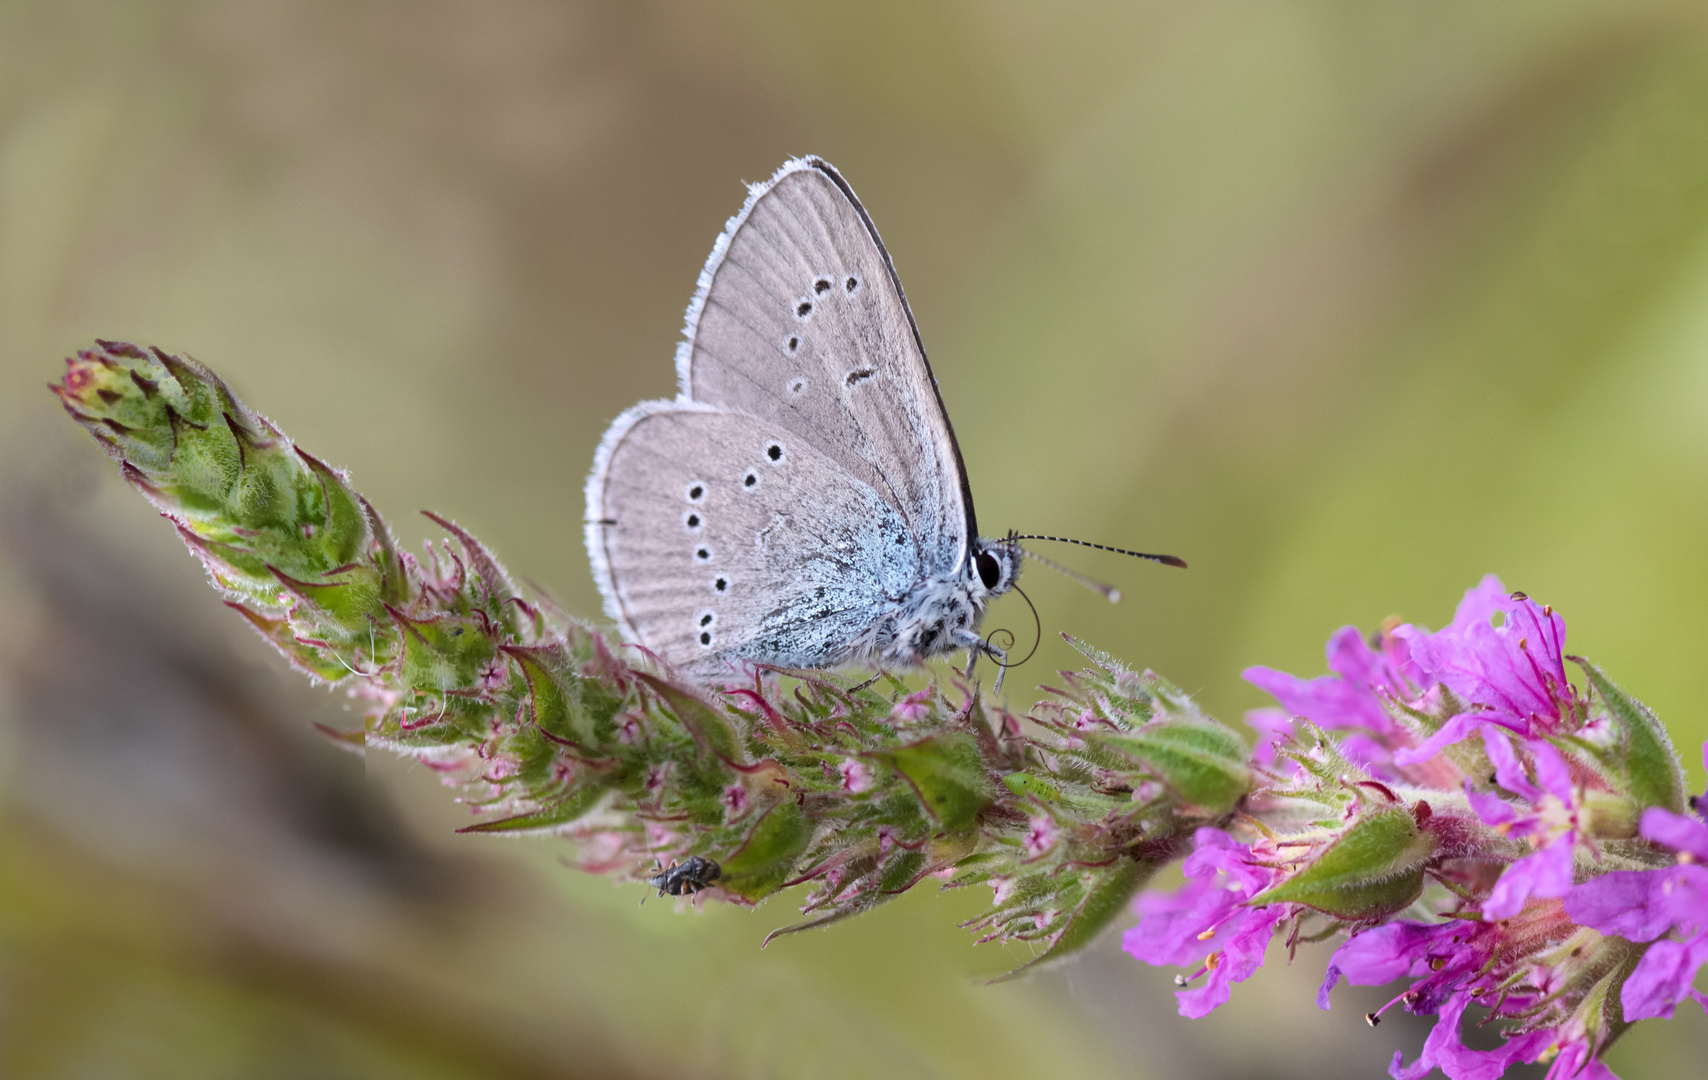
(1547,894)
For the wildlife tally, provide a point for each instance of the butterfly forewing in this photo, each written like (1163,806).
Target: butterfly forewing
(802,322)
(720,536)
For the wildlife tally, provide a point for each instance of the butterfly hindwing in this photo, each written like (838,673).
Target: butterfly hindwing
(801,321)
(718,536)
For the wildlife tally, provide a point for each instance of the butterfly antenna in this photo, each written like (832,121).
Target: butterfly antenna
(1166,560)
(1108,592)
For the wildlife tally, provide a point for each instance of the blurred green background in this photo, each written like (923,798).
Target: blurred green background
(1347,303)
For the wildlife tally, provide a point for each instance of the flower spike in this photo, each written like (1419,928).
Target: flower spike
(1450,804)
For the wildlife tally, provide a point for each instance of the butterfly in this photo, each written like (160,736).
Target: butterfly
(802,501)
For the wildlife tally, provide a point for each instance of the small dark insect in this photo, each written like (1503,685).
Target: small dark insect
(687,877)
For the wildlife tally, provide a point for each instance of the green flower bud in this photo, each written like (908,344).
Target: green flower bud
(1372,869)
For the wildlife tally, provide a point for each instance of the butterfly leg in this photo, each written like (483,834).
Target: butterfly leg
(1001,659)
(974,645)
(977,646)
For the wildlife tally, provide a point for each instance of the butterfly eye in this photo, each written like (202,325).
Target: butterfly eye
(696,491)
(750,480)
(774,451)
(821,286)
(990,571)
(803,309)
(851,284)
(793,343)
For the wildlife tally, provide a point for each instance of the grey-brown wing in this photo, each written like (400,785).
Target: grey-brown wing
(800,320)
(718,536)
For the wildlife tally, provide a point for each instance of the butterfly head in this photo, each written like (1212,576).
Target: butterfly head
(995,566)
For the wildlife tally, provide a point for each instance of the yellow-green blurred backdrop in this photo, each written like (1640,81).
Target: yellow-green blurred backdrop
(1347,303)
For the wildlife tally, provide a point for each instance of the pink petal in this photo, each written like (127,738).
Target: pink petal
(1350,657)
(1171,925)
(1618,903)
(1508,772)
(1381,955)
(1247,938)
(1663,977)
(1641,905)
(1545,874)
(1675,831)
(1479,605)
(1327,700)
(1452,731)
(1554,774)
(1491,808)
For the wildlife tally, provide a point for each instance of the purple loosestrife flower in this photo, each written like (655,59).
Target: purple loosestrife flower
(1550,821)
(912,708)
(1443,1050)
(1351,700)
(1549,794)
(1667,906)
(1206,924)
(856,776)
(1041,834)
(1525,970)
(1512,675)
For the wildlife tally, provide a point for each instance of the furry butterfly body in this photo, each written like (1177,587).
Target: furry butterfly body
(802,500)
